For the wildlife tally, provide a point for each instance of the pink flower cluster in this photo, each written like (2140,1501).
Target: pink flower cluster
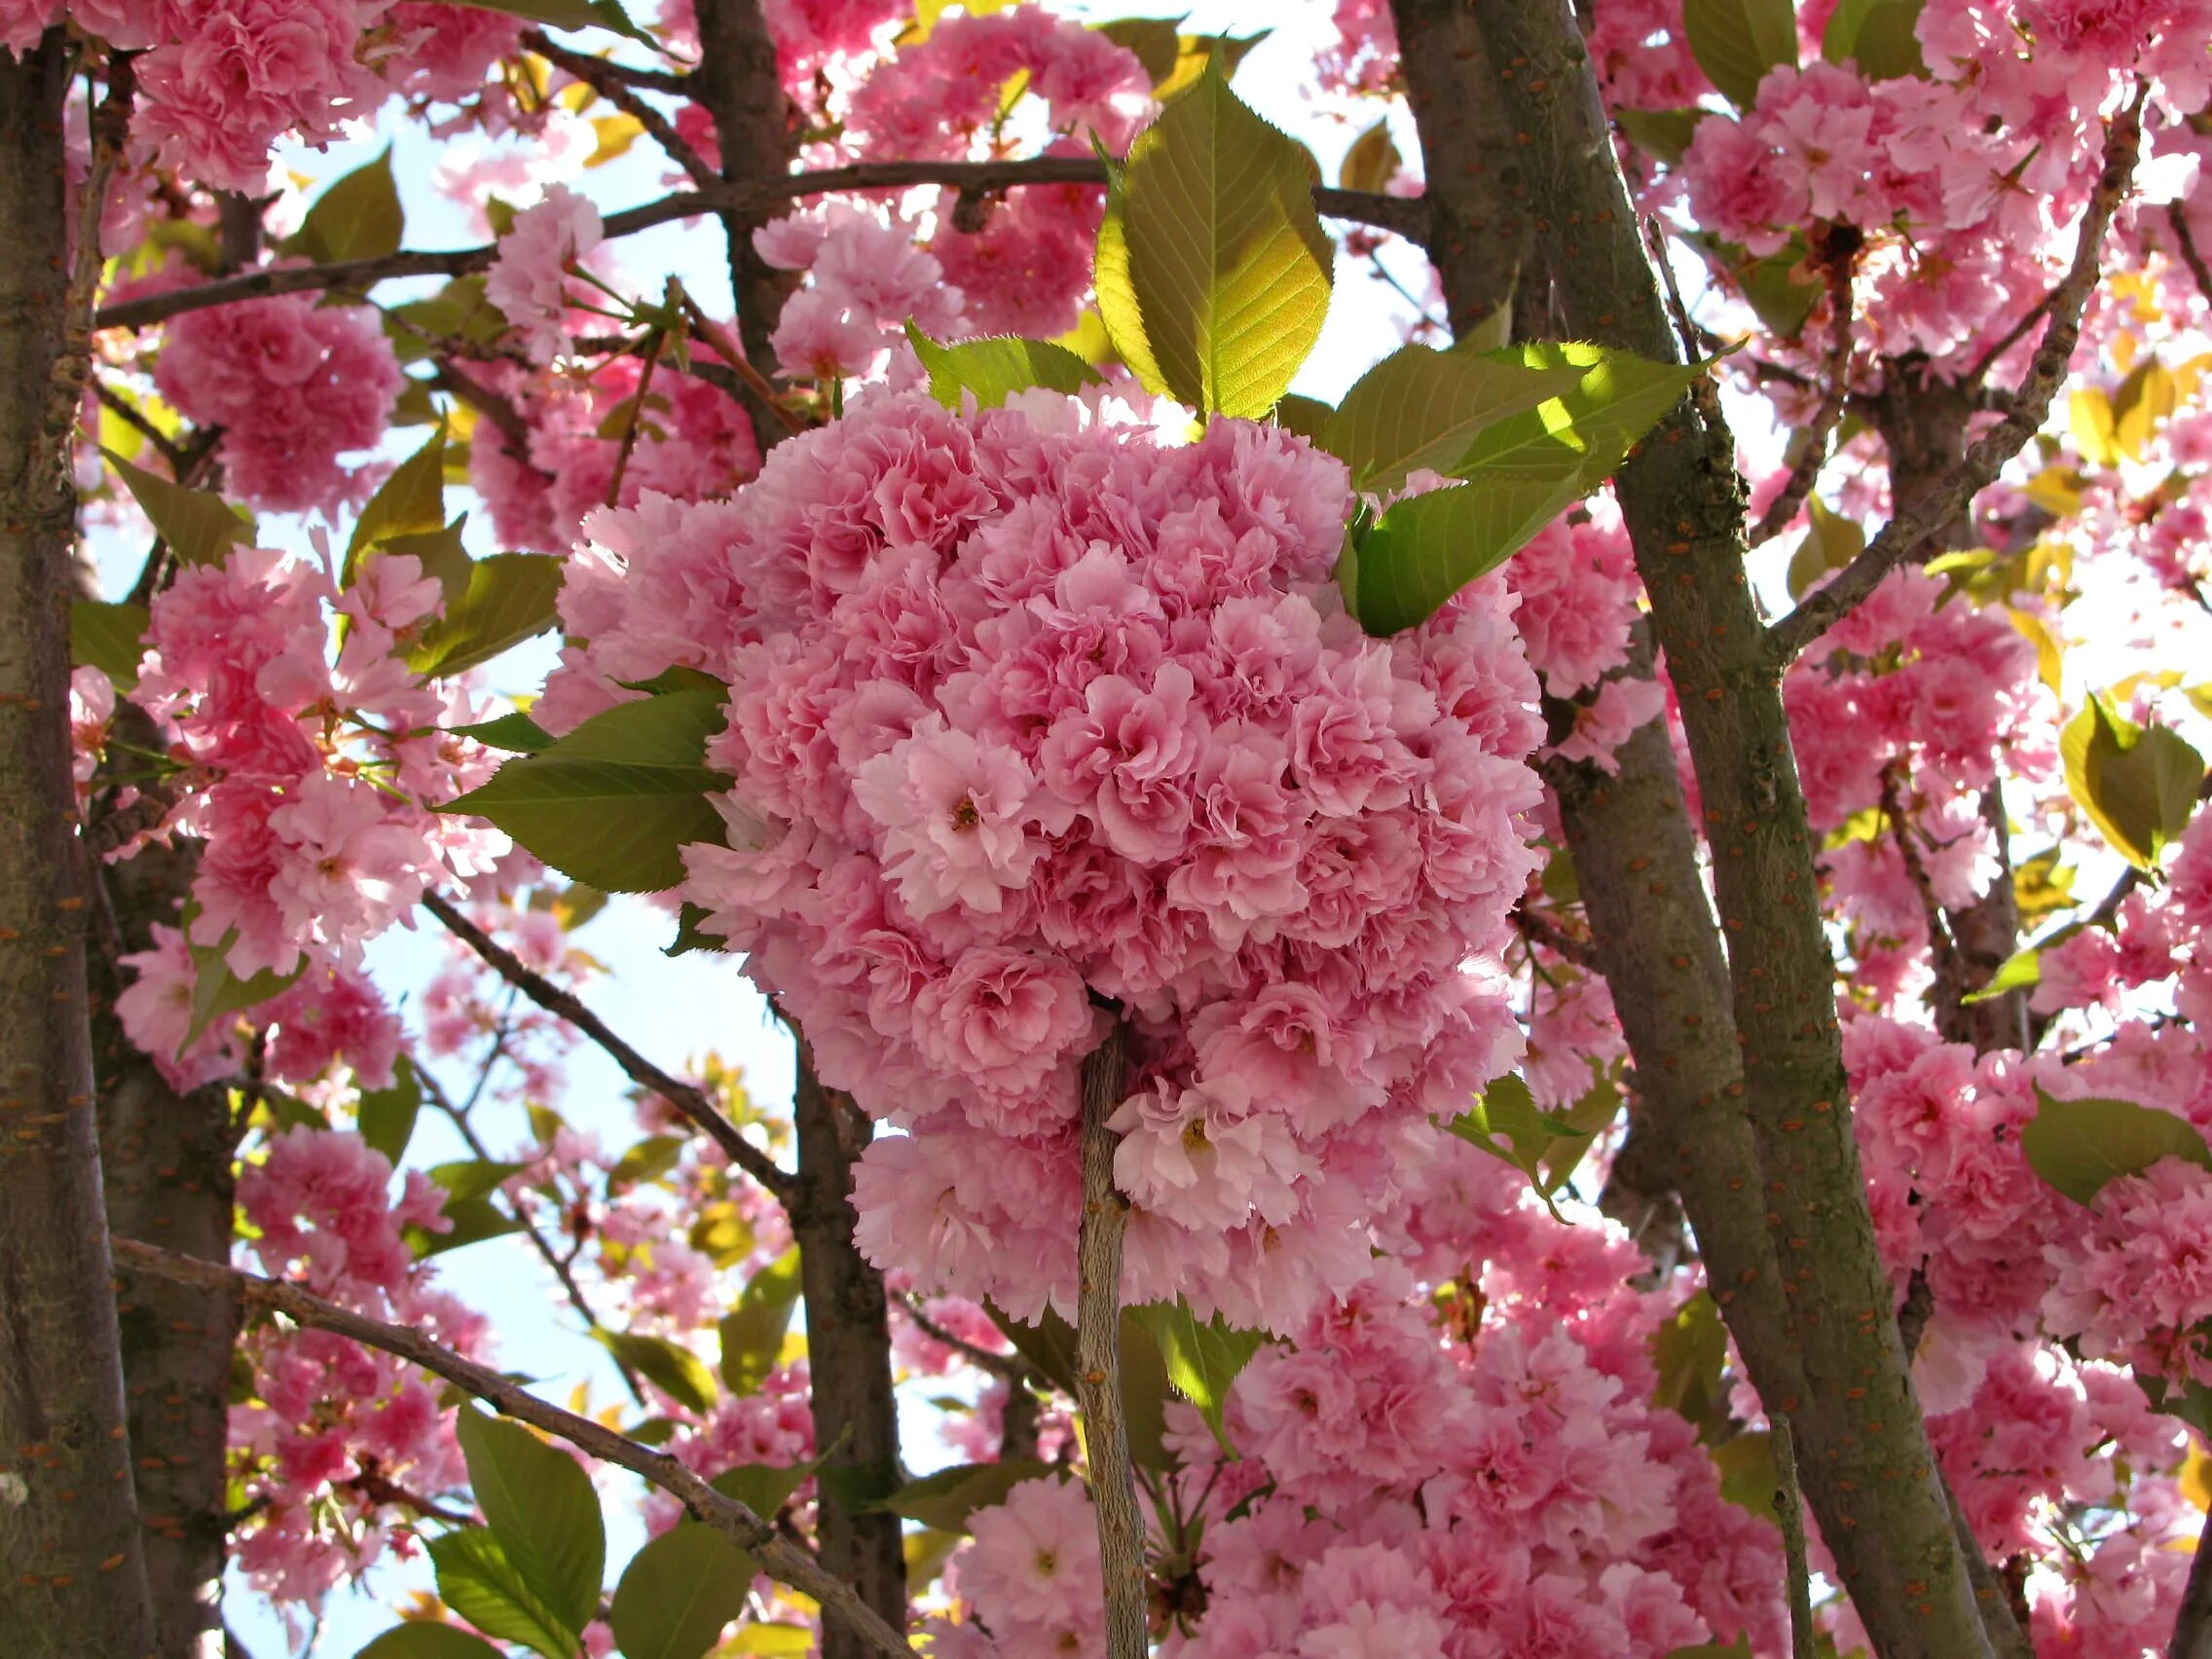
(866,281)
(1029,710)
(694,441)
(334,1431)
(529,280)
(442,52)
(306,856)
(2140,1288)
(1026,269)
(293,384)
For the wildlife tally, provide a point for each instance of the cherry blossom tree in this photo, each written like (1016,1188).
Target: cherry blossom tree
(1543,1007)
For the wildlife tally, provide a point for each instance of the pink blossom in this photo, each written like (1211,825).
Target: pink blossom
(529,279)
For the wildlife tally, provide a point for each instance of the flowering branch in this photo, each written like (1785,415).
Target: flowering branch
(736,1521)
(1404,216)
(686,1098)
(1099,1353)
(1919,524)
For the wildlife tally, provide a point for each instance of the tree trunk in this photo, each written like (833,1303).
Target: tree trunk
(166,1159)
(70,1554)
(1869,1469)
(848,1359)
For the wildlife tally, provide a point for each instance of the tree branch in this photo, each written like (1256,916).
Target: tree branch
(1099,1353)
(1831,1359)
(1790,1516)
(612,82)
(1918,523)
(1403,216)
(686,1098)
(2192,1624)
(736,1521)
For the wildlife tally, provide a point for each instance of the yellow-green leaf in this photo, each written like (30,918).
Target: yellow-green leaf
(2094,427)
(680,1593)
(478,1581)
(1880,36)
(542,1508)
(948,1498)
(1421,408)
(198,525)
(1736,42)
(510,598)
(2137,784)
(1372,160)
(1214,273)
(753,1331)
(1203,1361)
(108,636)
(2076,1146)
(357,217)
(1831,542)
(994,367)
(675,1370)
(410,503)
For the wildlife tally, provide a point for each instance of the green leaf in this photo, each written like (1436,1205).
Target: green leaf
(1774,285)
(753,1331)
(1152,41)
(1422,408)
(468,1220)
(678,1592)
(417,1639)
(1203,1361)
(2137,784)
(1880,36)
(613,801)
(198,525)
(2076,1146)
(1736,42)
(1048,1344)
(676,1371)
(511,597)
(647,1161)
(111,638)
(357,217)
(946,1499)
(993,367)
(541,1509)
(761,1488)
(1740,1648)
(517,733)
(217,992)
(386,1117)
(1305,416)
(691,933)
(1522,472)
(1507,1123)
(1214,272)
(2021,971)
(1662,134)
(1371,160)
(412,501)
(569,14)
(1748,1477)
(1831,542)
(472,1177)
(478,1581)
(441,553)
(1689,1351)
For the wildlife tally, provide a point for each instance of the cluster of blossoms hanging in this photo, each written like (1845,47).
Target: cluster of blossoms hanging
(1043,715)
(1034,715)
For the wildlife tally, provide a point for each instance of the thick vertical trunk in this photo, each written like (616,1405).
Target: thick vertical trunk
(745,95)
(848,1357)
(1869,1469)
(70,1555)
(167,1162)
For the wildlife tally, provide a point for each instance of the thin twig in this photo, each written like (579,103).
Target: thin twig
(686,1098)
(1921,523)
(637,421)
(1828,417)
(1099,1353)
(1539,928)
(734,356)
(2185,243)
(1010,1366)
(737,1520)
(1404,216)
(132,416)
(614,84)
(1790,1513)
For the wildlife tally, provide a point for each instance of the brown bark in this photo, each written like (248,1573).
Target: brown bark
(738,83)
(848,1356)
(1866,1465)
(165,1159)
(70,1554)
(1479,235)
